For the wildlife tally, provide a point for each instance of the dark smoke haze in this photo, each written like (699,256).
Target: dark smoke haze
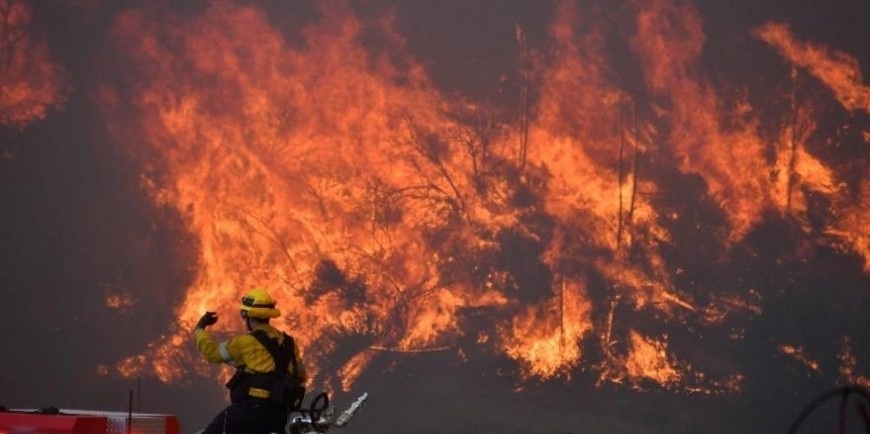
(75,225)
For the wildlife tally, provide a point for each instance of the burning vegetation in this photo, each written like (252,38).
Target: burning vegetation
(616,222)
(389,217)
(31,83)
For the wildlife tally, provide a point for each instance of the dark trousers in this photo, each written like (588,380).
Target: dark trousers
(252,416)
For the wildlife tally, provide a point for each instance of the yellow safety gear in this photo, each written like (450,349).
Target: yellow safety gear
(259,304)
(258,393)
(245,350)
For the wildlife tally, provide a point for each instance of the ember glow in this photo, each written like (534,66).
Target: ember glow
(838,71)
(389,217)
(31,82)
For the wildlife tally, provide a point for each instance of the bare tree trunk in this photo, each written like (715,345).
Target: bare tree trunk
(525,77)
(634,164)
(619,186)
(792,159)
(608,333)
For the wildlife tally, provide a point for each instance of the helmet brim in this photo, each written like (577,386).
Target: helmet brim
(261,312)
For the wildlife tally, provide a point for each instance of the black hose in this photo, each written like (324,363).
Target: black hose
(844,393)
(314,409)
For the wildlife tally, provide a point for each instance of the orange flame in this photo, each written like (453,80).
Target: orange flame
(31,83)
(852,226)
(669,42)
(546,337)
(839,71)
(796,170)
(848,365)
(800,354)
(648,359)
(384,215)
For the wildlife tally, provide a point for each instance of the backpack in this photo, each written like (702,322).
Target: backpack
(284,388)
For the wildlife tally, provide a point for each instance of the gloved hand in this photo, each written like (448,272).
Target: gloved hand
(206,320)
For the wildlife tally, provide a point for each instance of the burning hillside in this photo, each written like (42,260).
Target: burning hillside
(323,163)
(620,213)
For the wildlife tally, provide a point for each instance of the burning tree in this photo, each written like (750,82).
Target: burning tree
(390,217)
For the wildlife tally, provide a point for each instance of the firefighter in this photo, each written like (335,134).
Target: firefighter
(269,379)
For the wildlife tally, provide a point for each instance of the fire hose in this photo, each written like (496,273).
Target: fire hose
(844,393)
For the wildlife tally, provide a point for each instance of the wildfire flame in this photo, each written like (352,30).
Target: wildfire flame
(31,82)
(388,217)
(837,70)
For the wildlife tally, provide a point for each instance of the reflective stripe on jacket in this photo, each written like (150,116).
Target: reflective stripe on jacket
(245,350)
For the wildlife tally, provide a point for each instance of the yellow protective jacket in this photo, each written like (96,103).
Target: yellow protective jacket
(247,353)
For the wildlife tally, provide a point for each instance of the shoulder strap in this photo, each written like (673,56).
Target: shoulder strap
(282,354)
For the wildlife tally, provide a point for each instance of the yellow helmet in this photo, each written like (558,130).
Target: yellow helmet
(259,304)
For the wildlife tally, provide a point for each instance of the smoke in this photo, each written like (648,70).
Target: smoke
(577,206)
